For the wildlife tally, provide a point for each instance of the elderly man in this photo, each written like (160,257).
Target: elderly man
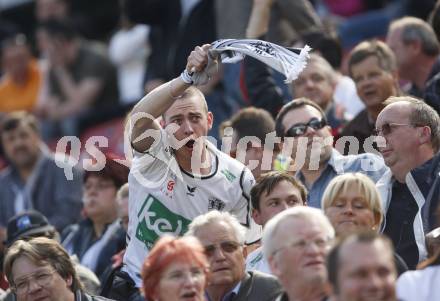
(416,47)
(41,269)
(361,267)
(273,193)
(295,243)
(223,237)
(307,139)
(410,189)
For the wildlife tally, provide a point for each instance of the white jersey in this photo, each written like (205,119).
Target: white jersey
(256,261)
(164,199)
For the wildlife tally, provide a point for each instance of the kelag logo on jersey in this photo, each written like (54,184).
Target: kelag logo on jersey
(155,220)
(229,175)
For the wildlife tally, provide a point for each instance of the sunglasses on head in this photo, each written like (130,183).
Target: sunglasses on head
(299,129)
(225,246)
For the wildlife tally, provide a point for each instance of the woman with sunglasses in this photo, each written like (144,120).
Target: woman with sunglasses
(175,269)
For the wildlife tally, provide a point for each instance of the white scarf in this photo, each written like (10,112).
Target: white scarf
(288,61)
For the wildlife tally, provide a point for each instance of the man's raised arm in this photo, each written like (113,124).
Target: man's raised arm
(158,101)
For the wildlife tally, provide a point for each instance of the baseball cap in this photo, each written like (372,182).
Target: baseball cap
(28,223)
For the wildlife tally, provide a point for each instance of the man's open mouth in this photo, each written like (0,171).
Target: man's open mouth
(189,295)
(190,143)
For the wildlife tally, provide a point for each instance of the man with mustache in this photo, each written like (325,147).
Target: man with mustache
(33,180)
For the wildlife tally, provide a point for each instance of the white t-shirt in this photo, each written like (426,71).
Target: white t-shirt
(164,199)
(421,285)
(345,94)
(256,261)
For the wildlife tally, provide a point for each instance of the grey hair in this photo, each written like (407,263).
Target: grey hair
(321,61)
(273,226)
(415,29)
(215,216)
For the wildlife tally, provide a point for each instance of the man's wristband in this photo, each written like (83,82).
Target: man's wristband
(187,77)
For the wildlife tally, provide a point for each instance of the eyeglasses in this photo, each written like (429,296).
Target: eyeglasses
(387,128)
(301,245)
(42,278)
(301,128)
(225,246)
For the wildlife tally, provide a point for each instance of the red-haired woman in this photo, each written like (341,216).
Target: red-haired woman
(175,269)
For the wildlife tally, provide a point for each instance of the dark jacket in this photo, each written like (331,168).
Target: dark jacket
(258,286)
(431,91)
(77,239)
(361,127)
(81,296)
(172,39)
(51,193)
(408,215)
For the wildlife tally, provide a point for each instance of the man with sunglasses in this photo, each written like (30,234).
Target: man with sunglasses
(223,238)
(410,190)
(307,139)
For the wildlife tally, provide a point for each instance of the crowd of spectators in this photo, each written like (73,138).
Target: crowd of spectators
(228,184)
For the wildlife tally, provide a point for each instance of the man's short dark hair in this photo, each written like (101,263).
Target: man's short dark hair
(252,121)
(415,29)
(113,170)
(376,48)
(290,106)
(61,29)
(14,40)
(13,120)
(333,257)
(327,44)
(267,182)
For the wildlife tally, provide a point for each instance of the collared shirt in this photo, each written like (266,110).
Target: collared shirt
(228,296)
(369,164)
(256,261)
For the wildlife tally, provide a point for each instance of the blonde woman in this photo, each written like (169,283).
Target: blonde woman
(352,204)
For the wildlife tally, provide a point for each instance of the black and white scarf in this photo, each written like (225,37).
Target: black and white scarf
(288,61)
